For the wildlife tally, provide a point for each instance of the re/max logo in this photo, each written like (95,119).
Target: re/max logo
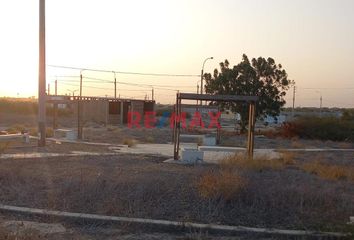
(150,120)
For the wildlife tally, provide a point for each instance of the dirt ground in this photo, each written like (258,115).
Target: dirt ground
(143,186)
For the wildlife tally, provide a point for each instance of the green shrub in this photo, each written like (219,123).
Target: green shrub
(323,128)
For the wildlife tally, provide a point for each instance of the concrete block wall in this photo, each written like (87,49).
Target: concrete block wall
(95,111)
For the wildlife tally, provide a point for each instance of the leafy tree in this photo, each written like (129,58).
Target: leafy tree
(260,77)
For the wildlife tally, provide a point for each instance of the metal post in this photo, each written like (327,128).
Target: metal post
(79,111)
(115,85)
(55,111)
(121,112)
(218,132)
(201,83)
(41,77)
(175,150)
(174,126)
(294,91)
(321,106)
(197,93)
(178,132)
(251,125)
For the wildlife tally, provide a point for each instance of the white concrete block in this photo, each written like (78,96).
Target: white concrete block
(191,155)
(67,134)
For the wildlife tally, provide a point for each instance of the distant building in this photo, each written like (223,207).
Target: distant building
(104,110)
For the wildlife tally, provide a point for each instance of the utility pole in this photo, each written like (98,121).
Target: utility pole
(55,112)
(79,127)
(48,88)
(41,77)
(152,94)
(294,92)
(56,86)
(197,92)
(115,85)
(321,105)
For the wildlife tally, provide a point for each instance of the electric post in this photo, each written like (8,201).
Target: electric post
(294,91)
(41,77)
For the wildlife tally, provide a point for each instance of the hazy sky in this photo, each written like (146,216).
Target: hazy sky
(313,40)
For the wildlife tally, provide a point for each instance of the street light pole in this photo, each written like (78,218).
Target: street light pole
(72,92)
(41,77)
(202,77)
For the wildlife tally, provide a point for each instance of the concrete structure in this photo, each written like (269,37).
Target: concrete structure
(250,100)
(191,155)
(67,134)
(103,110)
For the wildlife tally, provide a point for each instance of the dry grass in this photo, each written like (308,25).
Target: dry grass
(258,164)
(137,186)
(16,128)
(130,142)
(34,132)
(344,145)
(297,144)
(223,184)
(288,158)
(113,129)
(28,234)
(4,146)
(149,139)
(330,172)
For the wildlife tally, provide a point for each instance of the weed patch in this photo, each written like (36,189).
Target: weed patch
(130,142)
(257,164)
(330,172)
(223,184)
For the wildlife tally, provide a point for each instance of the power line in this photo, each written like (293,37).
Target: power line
(162,87)
(343,88)
(67,82)
(75,85)
(123,72)
(100,80)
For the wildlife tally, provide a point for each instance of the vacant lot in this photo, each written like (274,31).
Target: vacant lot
(284,196)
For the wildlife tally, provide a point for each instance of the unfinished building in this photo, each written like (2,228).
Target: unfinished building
(112,111)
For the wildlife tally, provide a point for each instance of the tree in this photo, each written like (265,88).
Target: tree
(260,77)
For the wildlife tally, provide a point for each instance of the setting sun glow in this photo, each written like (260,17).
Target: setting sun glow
(313,40)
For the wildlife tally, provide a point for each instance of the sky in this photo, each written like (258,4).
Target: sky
(312,39)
